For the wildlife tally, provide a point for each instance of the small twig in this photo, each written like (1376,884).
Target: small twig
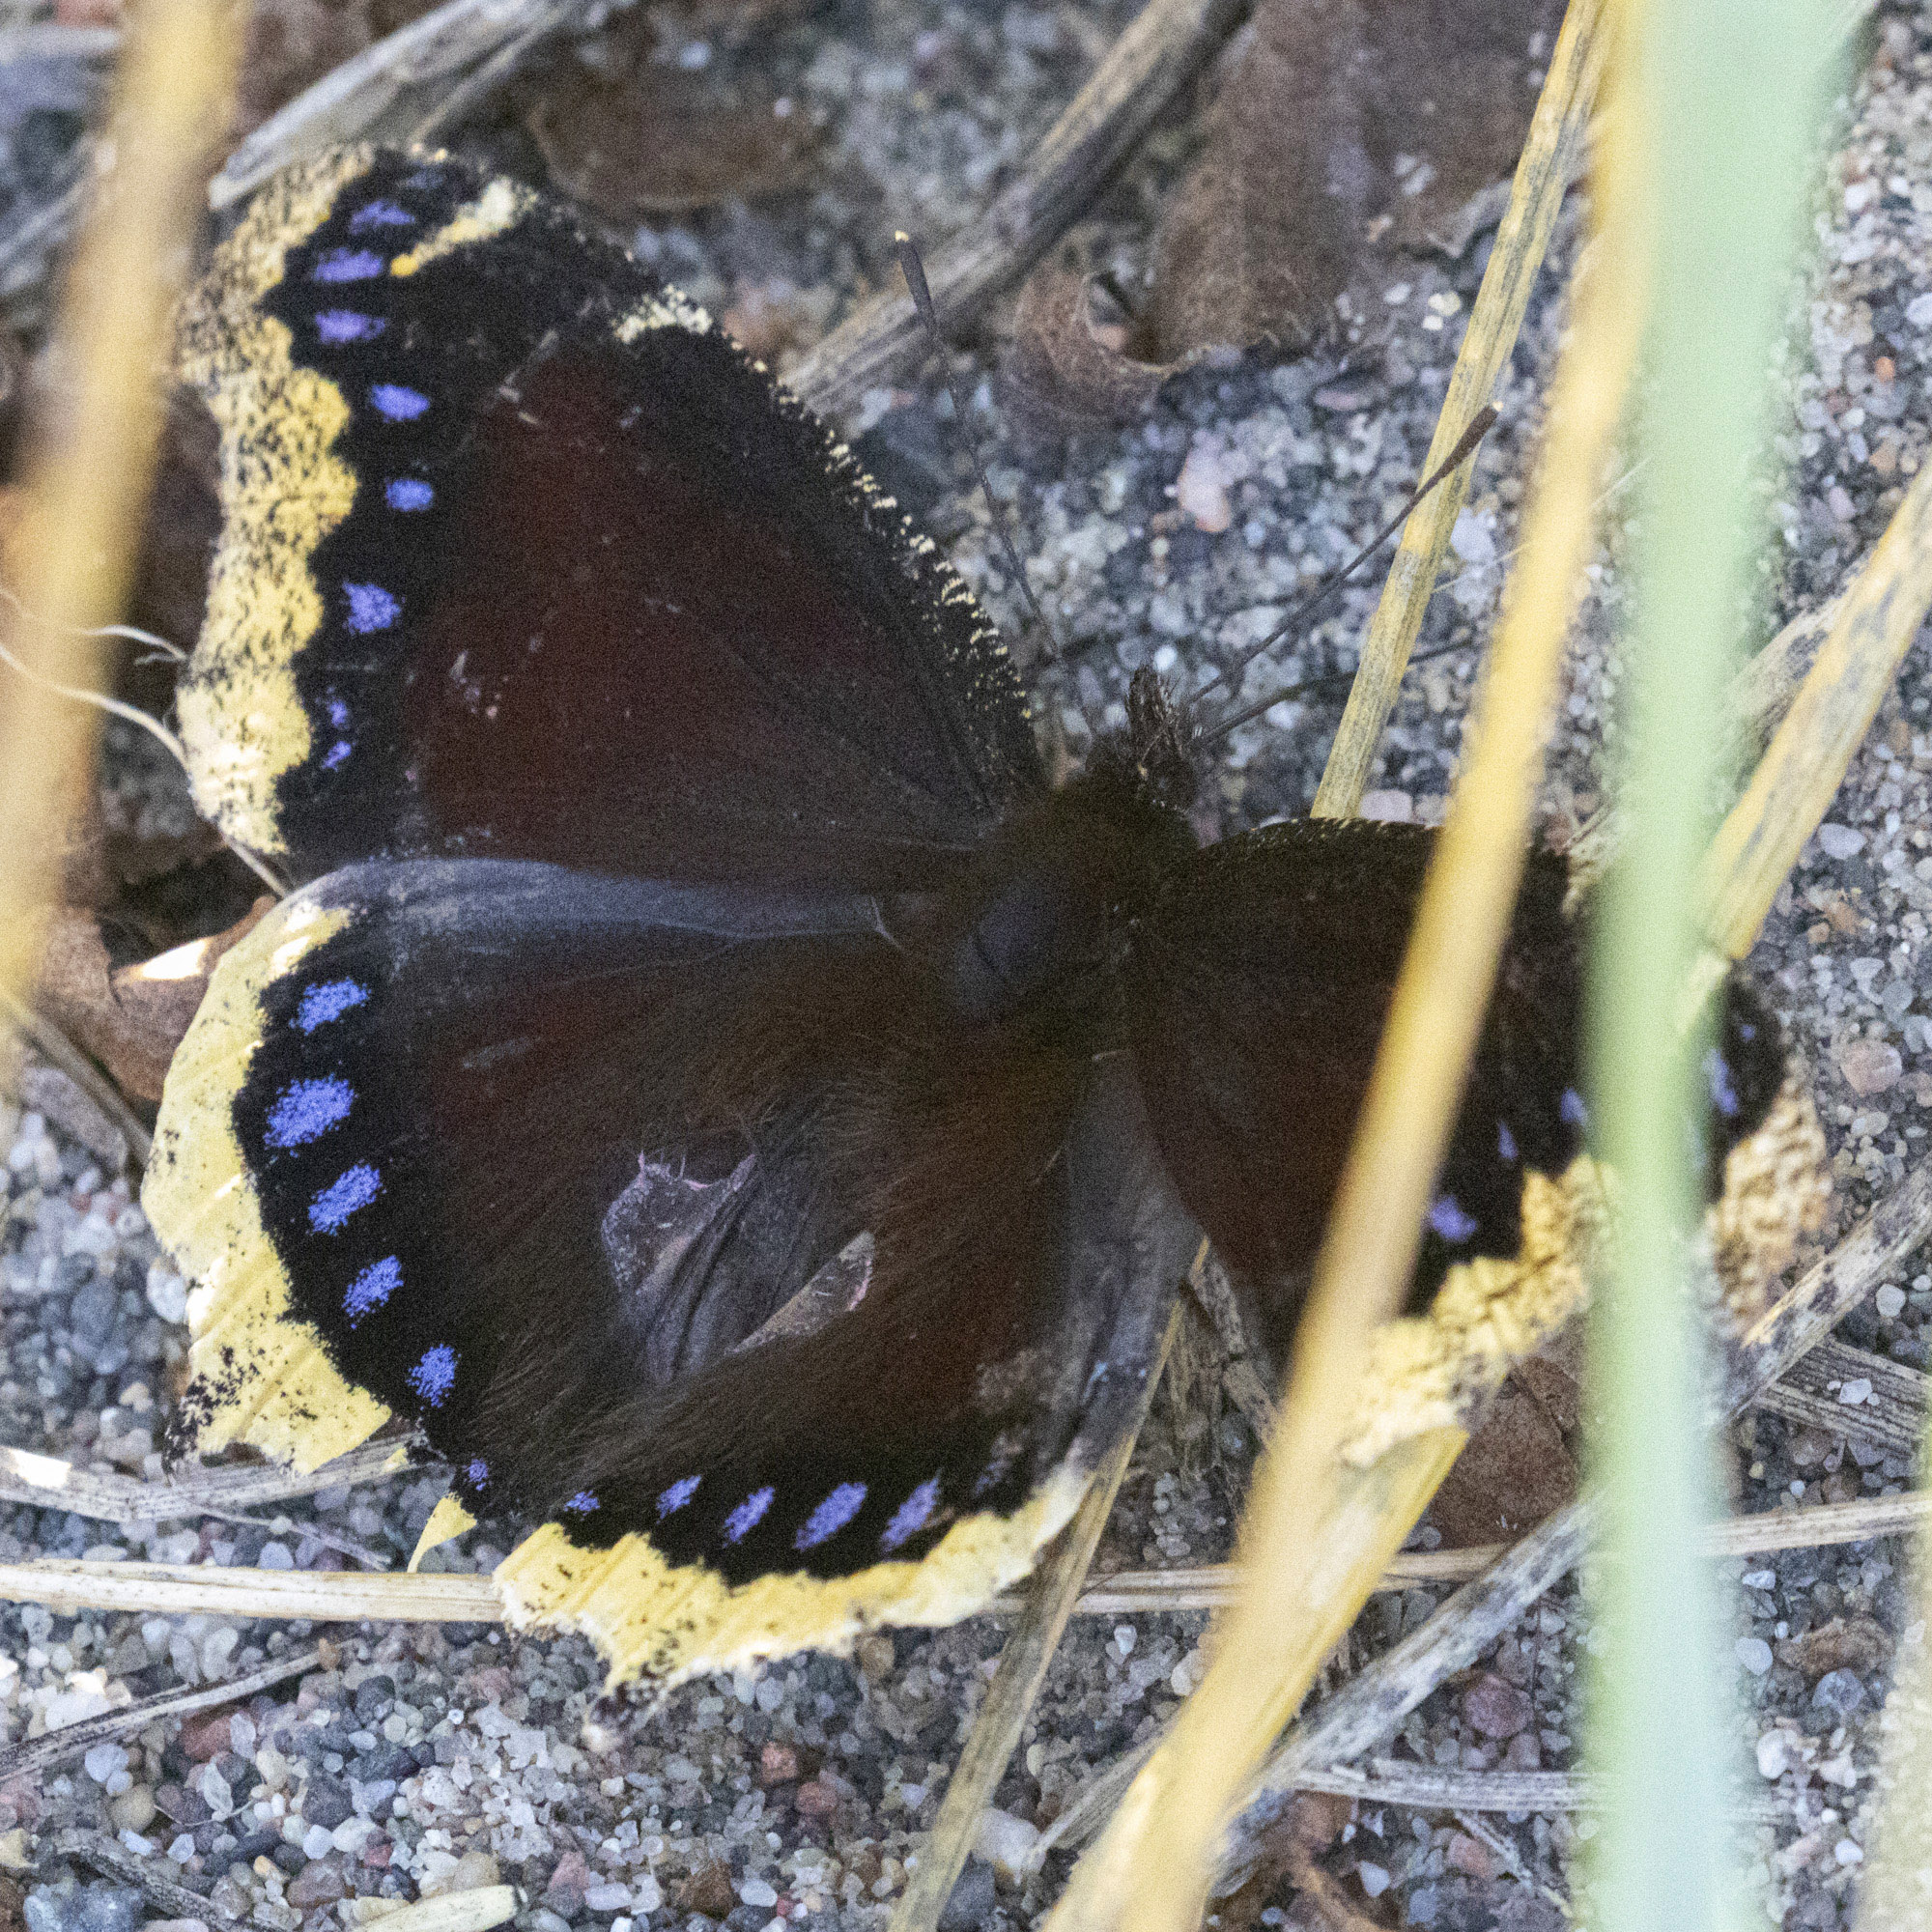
(1168,41)
(43,1754)
(1890,1417)
(49,1482)
(1478,1827)
(112,1859)
(385,90)
(1429,1787)
(54,1046)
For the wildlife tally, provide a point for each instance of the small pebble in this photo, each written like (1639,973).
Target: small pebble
(1755,1654)
(1497,1708)
(1890,1301)
(1838,1692)
(1840,841)
(1004,1842)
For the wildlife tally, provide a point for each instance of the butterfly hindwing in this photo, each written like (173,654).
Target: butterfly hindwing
(469,1176)
(522,558)
(1258,987)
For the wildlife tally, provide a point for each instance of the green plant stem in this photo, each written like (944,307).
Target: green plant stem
(1714,118)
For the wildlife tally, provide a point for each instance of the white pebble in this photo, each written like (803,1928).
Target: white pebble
(1890,1301)
(1759,1579)
(1124,1635)
(1840,841)
(646,1895)
(1859,1390)
(182,1848)
(1004,1842)
(1918,311)
(104,1760)
(168,1292)
(1201,490)
(1375,1878)
(318,1841)
(606,1897)
(1755,1654)
(1847,1853)
(275,1556)
(1774,1755)
(756,1891)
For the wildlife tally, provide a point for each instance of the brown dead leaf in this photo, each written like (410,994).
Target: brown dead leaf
(641,136)
(1519,1465)
(129,1020)
(1846,1644)
(1070,364)
(1339,125)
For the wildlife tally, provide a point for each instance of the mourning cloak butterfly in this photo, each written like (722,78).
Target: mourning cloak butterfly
(709,1081)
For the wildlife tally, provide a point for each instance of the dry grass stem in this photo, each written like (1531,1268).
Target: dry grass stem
(1046,1604)
(1151,1871)
(149,1876)
(1163,48)
(37,1755)
(1550,157)
(53,1046)
(1799,775)
(85,495)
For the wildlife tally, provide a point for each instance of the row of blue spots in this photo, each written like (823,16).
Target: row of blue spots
(435,1375)
(824,1523)
(307,1109)
(327,1002)
(372,1288)
(330,1212)
(339,753)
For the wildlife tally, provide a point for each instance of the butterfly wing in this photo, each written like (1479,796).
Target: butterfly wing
(437,1145)
(522,558)
(1259,988)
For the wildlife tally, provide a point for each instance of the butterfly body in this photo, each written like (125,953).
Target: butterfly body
(708,1081)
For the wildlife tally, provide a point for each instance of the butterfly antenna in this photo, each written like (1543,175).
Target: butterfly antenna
(913,269)
(1299,612)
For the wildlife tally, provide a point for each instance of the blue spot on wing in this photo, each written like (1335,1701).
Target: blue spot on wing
(1506,1142)
(380,214)
(337,755)
(372,1287)
(307,1109)
(912,1515)
(435,1375)
(371,607)
(345,325)
(409,493)
(1724,1088)
(349,265)
(478,1473)
(831,1514)
(678,1495)
(333,1206)
(743,1520)
(582,1503)
(327,1002)
(1450,1219)
(398,401)
(1573,1109)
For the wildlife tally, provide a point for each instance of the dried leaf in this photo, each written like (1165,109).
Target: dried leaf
(1070,366)
(1339,126)
(642,137)
(1860,1644)
(1519,1466)
(129,1020)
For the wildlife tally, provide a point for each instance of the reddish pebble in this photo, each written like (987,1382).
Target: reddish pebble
(1471,1855)
(1496,1709)
(816,1799)
(376,1854)
(568,1883)
(207,1737)
(777,1764)
(319,1883)
(1524,1753)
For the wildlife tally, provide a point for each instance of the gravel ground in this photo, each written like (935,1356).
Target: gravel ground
(419,1759)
